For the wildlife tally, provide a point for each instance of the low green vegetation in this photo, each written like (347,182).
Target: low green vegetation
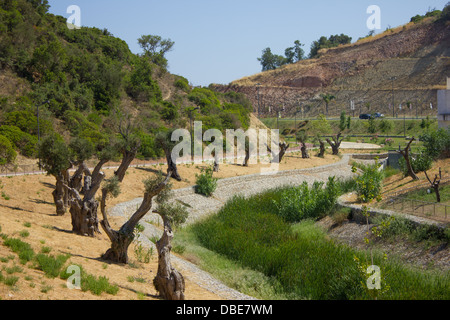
(52,266)
(304,202)
(428,194)
(20,247)
(369,183)
(402,228)
(292,255)
(206,184)
(96,285)
(380,127)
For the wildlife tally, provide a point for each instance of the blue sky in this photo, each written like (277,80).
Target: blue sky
(218,41)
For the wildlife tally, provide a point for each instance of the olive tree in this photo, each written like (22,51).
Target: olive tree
(336,143)
(55,159)
(164,141)
(84,210)
(302,137)
(168,281)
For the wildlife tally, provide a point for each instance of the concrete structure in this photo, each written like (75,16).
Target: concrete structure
(443,97)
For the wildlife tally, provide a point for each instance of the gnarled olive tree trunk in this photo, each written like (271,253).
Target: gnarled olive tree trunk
(84,211)
(60,194)
(128,157)
(303,148)
(435,184)
(216,163)
(121,239)
(336,144)
(168,281)
(405,154)
(283,148)
(171,165)
(321,149)
(76,181)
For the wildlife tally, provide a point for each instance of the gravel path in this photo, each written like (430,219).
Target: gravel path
(200,207)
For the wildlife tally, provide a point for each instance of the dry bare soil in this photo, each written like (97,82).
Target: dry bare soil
(27,205)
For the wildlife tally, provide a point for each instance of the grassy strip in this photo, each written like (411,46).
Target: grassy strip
(300,258)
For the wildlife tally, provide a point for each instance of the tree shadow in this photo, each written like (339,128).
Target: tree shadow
(48,185)
(39,201)
(15,208)
(148,170)
(137,292)
(62,230)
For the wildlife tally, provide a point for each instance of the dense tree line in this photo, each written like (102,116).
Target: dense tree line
(271,61)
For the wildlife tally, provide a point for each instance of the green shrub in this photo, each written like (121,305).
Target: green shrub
(169,111)
(141,85)
(98,285)
(417,18)
(206,184)
(386,125)
(372,125)
(50,265)
(23,249)
(303,202)
(419,163)
(206,99)
(24,142)
(369,183)
(437,143)
(92,283)
(7,152)
(182,84)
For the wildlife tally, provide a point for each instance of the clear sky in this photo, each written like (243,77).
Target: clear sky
(218,41)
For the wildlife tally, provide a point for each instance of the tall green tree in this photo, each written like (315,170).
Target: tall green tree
(270,61)
(330,42)
(155,48)
(295,53)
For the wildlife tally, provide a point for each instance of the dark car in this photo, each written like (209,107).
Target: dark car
(365,116)
(378,115)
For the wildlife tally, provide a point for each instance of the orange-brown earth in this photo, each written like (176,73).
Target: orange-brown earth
(26,205)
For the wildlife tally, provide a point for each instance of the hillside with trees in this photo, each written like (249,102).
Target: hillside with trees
(86,83)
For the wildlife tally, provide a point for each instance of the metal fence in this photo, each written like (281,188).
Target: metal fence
(421,208)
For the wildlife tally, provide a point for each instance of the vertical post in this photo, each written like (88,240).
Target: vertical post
(393,100)
(259,104)
(39,133)
(39,139)
(295,123)
(404,123)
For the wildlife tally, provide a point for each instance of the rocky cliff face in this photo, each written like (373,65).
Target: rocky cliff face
(404,65)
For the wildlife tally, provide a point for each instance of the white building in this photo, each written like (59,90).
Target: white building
(443,97)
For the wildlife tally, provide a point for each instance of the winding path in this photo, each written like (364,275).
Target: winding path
(200,207)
